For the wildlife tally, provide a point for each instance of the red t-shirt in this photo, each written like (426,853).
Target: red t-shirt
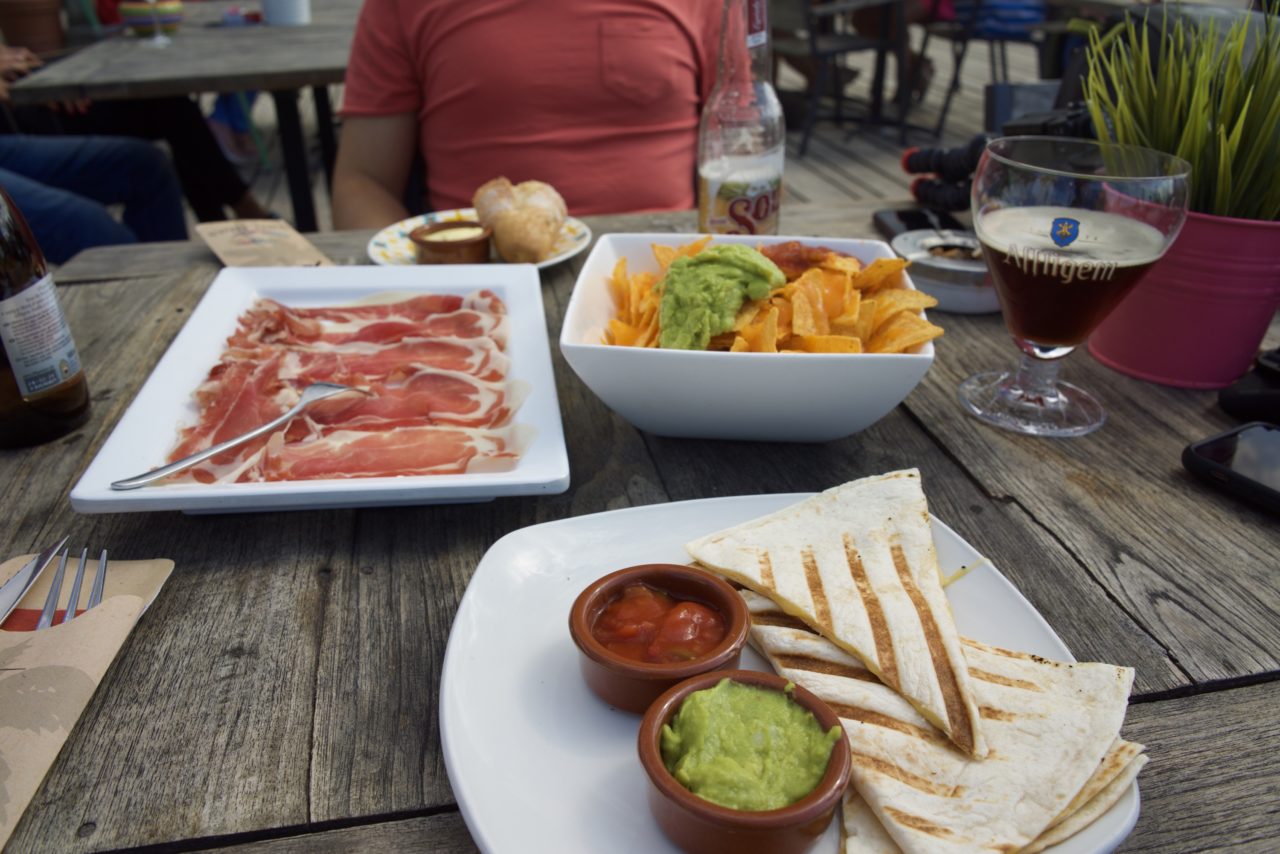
(599,98)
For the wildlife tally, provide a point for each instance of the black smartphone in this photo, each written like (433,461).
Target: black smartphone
(1244,462)
(891,223)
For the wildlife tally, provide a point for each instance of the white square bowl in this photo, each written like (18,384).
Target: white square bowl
(781,397)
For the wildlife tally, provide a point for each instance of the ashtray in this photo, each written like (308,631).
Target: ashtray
(948,265)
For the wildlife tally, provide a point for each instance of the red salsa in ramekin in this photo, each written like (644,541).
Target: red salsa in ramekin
(644,623)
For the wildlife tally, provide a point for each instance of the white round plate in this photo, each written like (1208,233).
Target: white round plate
(392,246)
(539,765)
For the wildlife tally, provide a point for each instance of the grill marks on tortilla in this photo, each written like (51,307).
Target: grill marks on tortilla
(827,561)
(821,608)
(873,718)
(817,665)
(962,726)
(1007,681)
(780,620)
(875,616)
(990,713)
(766,570)
(904,776)
(915,822)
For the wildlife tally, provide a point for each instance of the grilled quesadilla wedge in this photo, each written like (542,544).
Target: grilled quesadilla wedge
(1049,726)
(1089,812)
(862,833)
(857,565)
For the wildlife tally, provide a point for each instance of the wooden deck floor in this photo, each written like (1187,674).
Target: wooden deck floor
(852,162)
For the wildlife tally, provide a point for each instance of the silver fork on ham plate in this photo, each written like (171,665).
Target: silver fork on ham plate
(311,394)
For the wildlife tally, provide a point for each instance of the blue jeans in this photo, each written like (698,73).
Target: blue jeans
(62,185)
(229,109)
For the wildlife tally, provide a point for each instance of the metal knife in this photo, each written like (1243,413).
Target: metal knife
(15,588)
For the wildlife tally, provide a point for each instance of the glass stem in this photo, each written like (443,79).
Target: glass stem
(1037,379)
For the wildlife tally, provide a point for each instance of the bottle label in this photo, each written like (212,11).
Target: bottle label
(757,23)
(37,340)
(739,204)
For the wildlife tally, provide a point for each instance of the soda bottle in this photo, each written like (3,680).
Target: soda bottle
(43,393)
(741,135)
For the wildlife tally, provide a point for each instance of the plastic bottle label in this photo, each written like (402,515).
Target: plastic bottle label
(37,340)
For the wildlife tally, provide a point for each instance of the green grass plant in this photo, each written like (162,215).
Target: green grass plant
(1188,90)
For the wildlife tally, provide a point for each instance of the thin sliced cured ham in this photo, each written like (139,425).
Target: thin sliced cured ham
(269,322)
(479,357)
(433,369)
(423,398)
(399,452)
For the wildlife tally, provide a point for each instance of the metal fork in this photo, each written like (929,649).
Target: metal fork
(55,588)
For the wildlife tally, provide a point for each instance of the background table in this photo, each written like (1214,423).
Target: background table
(281,691)
(206,57)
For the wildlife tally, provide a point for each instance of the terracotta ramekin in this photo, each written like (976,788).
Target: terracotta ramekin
(633,685)
(472,250)
(698,826)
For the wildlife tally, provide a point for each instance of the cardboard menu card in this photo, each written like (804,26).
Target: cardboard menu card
(260,243)
(48,677)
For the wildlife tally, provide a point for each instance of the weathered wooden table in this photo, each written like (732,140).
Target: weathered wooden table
(281,693)
(207,57)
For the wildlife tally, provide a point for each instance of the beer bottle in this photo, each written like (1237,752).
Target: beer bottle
(741,135)
(43,393)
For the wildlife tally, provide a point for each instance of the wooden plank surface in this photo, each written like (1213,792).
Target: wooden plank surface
(1194,569)
(1212,783)
(203,58)
(285,679)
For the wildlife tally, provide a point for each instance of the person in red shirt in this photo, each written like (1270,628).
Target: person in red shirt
(599,98)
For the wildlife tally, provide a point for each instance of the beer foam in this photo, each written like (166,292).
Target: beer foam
(1101,236)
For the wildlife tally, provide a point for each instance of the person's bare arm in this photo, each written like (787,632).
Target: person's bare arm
(374,157)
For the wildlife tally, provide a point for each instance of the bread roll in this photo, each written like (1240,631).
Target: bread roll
(526,218)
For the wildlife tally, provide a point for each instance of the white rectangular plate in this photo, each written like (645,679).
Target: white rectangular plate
(149,428)
(540,765)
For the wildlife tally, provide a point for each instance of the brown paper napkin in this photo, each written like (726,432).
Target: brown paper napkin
(48,677)
(260,243)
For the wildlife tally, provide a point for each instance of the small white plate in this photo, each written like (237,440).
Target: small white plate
(392,246)
(541,766)
(149,428)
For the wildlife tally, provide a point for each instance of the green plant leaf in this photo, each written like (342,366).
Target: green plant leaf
(1190,91)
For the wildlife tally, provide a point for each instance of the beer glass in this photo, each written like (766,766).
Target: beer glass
(1067,227)
(158,38)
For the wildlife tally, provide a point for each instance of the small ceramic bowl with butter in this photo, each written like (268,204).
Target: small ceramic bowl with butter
(642,629)
(696,740)
(452,242)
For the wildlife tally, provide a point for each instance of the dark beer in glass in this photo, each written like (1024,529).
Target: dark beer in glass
(1068,227)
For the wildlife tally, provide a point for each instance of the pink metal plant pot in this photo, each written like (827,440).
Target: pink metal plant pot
(1197,318)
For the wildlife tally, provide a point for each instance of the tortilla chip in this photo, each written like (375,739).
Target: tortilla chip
(902,332)
(841,263)
(664,255)
(879,273)
(802,321)
(762,337)
(826,344)
(866,320)
(889,303)
(747,314)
